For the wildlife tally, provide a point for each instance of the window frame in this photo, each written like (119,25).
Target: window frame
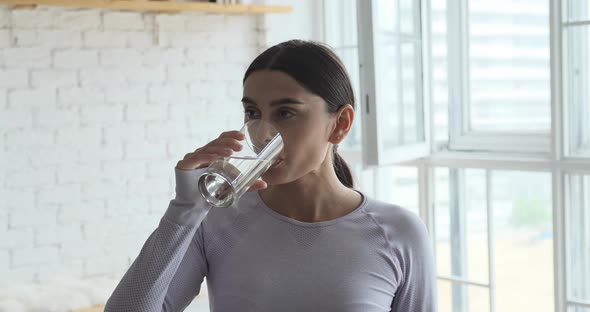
(373,152)
(572,149)
(582,190)
(461,138)
(524,152)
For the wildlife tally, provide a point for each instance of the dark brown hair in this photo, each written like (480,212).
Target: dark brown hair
(318,69)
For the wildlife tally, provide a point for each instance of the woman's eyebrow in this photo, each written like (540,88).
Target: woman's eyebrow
(247,100)
(283,101)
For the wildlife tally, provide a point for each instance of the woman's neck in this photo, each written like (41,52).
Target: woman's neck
(318,196)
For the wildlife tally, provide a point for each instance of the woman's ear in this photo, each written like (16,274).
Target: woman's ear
(344,119)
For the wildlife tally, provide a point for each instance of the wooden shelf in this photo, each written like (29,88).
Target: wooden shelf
(156,6)
(96,308)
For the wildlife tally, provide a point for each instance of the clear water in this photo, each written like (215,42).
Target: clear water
(229,178)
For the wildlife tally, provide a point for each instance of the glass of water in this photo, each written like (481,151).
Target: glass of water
(228,178)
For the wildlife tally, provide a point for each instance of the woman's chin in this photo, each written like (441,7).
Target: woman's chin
(274,174)
(270,174)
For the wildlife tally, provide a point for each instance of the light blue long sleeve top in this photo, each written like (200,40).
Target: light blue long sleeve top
(374,259)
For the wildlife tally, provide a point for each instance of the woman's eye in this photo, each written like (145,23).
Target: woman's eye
(286,114)
(250,113)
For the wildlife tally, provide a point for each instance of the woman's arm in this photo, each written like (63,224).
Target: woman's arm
(169,270)
(417,291)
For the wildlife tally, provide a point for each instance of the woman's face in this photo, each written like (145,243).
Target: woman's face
(301,118)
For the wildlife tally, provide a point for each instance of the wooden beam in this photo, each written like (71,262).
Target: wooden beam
(156,6)
(96,308)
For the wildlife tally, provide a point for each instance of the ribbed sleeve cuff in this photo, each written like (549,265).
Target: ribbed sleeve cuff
(188,207)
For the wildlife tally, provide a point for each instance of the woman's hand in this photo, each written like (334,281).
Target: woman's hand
(223,146)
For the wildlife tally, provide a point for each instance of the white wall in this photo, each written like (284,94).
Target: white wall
(96,108)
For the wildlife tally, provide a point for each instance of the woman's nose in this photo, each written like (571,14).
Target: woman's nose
(262,132)
(269,134)
(267,129)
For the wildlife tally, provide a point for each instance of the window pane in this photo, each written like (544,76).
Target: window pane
(350,59)
(340,23)
(442,222)
(387,16)
(363,179)
(479,299)
(576,10)
(573,308)
(440,90)
(411,94)
(400,114)
(408,10)
(509,69)
(397,185)
(476,298)
(461,224)
(577,84)
(523,241)
(444,296)
(578,237)
(392,184)
(396,64)
(389,117)
(341,34)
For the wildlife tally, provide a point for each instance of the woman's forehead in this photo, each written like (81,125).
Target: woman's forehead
(272,79)
(272,86)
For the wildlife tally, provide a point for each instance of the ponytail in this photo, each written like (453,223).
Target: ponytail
(342,170)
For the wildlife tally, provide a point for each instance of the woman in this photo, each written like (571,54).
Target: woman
(303,239)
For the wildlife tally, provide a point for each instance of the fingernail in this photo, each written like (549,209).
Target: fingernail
(228,150)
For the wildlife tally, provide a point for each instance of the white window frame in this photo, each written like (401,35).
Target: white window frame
(458,203)
(536,153)
(554,162)
(352,155)
(373,152)
(563,143)
(583,197)
(461,137)
(572,148)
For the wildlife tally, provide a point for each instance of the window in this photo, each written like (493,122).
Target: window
(439,61)
(393,184)
(578,241)
(494,240)
(509,66)
(499,75)
(577,69)
(476,115)
(340,32)
(392,81)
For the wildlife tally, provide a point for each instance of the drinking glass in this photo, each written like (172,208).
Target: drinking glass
(228,178)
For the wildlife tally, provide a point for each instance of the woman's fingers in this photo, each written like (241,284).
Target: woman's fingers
(224,146)
(258,185)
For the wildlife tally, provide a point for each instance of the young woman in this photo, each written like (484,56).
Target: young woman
(303,239)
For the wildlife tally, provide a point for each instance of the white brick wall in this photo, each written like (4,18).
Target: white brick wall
(96,108)
(54,78)
(13,78)
(75,59)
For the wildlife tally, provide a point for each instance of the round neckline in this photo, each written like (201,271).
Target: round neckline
(270,211)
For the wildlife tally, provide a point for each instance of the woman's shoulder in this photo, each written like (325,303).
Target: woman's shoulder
(399,224)
(390,213)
